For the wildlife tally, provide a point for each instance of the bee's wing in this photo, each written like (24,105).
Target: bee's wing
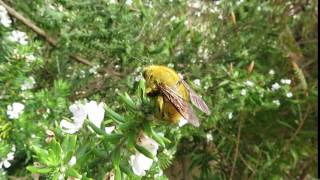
(196,99)
(181,105)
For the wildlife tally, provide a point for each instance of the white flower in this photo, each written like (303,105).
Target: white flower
(72,161)
(5,162)
(15,110)
(69,127)
(79,112)
(182,122)
(289,94)
(28,83)
(276,102)
(275,87)
(93,69)
(249,83)
(95,112)
(194,4)
(243,92)
(197,82)
(79,115)
(129,2)
(61,177)
(138,78)
(139,162)
(92,110)
(13,148)
(230,115)
(285,81)
(239,2)
(209,137)
(113,2)
(4,18)
(109,129)
(30,58)
(271,72)
(171,65)
(173,18)
(19,37)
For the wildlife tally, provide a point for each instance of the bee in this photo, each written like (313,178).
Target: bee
(172,95)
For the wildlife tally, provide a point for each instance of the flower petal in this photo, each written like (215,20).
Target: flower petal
(68,127)
(95,112)
(109,129)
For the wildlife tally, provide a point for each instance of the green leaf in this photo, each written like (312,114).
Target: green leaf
(117,173)
(115,116)
(128,101)
(55,148)
(144,151)
(68,147)
(71,172)
(43,170)
(116,157)
(96,129)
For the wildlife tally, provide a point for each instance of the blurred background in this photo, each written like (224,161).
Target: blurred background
(255,63)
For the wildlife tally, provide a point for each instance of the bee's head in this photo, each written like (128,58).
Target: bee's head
(149,74)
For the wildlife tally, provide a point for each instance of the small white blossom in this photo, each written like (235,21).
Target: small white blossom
(171,65)
(95,112)
(289,94)
(230,115)
(113,1)
(15,110)
(5,161)
(276,102)
(129,2)
(194,4)
(61,177)
(209,137)
(92,110)
(28,83)
(19,37)
(249,83)
(243,92)
(72,161)
(110,129)
(275,87)
(93,69)
(4,17)
(259,8)
(173,18)
(197,82)
(138,78)
(139,162)
(79,115)
(271,72)
(285,81)
(30,58)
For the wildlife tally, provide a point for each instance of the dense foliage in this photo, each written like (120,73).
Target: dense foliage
(73,104)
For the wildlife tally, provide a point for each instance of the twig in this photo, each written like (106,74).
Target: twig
(236,151)
(40,32)
(302,121)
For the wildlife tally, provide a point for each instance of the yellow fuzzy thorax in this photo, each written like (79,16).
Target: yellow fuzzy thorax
(160,74)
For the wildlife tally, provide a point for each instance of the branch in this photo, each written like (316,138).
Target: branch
(40,32)
(302,121)
(236,151)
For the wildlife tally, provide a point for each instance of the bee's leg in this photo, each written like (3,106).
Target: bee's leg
(160,105)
